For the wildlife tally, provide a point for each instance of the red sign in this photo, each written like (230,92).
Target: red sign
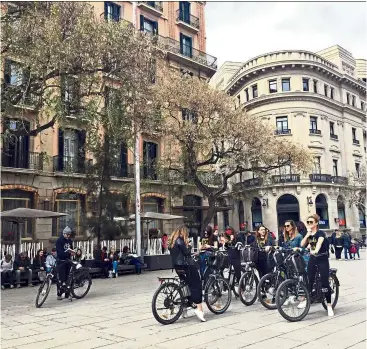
(342,222)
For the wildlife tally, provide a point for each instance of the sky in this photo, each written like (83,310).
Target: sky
(238,31)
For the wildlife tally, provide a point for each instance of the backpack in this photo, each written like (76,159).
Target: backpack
(353,249)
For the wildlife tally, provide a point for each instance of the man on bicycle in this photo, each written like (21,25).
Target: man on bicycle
(63,246)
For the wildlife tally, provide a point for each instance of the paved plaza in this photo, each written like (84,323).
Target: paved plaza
(116,314)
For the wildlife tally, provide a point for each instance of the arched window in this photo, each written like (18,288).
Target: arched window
(322,211)
(256,211)
(287,208)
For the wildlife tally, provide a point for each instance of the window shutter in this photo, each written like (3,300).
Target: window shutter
(181,43)
(61,150)
(155,27)
(81,150)
(106,3)
(7,71)
(141,22)
(116,13)
(123,164)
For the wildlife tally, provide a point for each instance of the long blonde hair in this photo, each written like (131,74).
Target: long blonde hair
(179,232)
(294,228)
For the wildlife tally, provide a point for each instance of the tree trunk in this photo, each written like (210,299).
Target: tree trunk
(209,215)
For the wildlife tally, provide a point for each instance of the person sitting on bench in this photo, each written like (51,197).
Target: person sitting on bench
(128,258)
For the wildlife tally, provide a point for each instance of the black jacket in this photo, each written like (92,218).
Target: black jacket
(63,244)
(25,263)
(39,263)
(180,254)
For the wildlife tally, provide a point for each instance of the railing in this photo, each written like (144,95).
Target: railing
(283,132)
(248,183)
(174,46)
(70,164)
(33,161)
(123,171)
(157,5)
(148,172)
(332,136)
(326,178)
(356,141)
(287,178)
(315,131)
(188,19)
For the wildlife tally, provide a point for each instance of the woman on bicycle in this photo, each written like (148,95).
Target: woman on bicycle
(319,247)
(234,256)
(263,241)
(180,251)
(206,243)
(292,239)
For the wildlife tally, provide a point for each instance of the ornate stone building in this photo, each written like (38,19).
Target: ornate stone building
(316,99)
(47,171)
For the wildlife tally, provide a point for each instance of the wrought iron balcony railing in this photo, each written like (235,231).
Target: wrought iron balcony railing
(30,160)
(356,141)
(157,5)
(283,132)
(70,164)
(123,171)
(332,136)
(286,178)
(326,178)
(188,19)
(248,183)
(314,131)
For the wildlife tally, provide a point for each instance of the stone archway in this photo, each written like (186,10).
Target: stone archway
(287,208)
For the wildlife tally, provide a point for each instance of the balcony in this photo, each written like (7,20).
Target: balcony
(149,173)
(326,178)
(123,171)
(356,142)
(287,131)
(287,178)
(248,183)
(332,136)
(174,48)
(314,131)
(70,164)
(34,161)
(154,7)
(187,21)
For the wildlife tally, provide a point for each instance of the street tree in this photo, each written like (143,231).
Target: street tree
(204,132)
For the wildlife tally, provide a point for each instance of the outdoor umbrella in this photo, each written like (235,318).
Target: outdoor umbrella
(20,215)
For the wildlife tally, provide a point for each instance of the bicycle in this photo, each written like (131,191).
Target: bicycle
(231,275)
(77,279)
(174,294)
(249,281)
(295,290)
(269,283)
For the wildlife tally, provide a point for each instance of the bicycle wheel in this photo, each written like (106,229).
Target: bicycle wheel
(293,300)
(218,295)
(167,303)
(81,284)
(43,291)
(247,288)
(267,288)
(334,286)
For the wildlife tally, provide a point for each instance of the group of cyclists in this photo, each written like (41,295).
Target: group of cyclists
(314,241)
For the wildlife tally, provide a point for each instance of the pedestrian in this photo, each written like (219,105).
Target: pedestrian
(338,244)
(51,260)
(39,264)
(114,263)
(7,271)
(128,258)
(164,243)
(354,249)
(22,267)
(180,251)
(234,254)
(264,241)
(346,245)
(319,260)
(104,262)
(79,256)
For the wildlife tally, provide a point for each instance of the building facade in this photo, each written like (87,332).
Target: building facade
(47,172)
(319,101)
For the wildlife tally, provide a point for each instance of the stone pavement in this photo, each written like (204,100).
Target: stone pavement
(116,314)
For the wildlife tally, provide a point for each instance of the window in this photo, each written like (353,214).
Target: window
(186,45)
(282,124)
(247,95)
(305,84)
(358,172)
(362,105)
(188,115)
(317,164)
(335,167)
(112,11)
(273,86)
(353,101)
(348,98)
(70,94)
(354,134)
(254,91)
(150,155)
(332,92)
(14,73)
(325,89)
(148,26)
(286,85)
(184,13)
(70,203)
(313,123)
(315,86)
(332,132)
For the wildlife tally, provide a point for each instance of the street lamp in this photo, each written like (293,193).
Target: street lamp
(265,203)
(309,200)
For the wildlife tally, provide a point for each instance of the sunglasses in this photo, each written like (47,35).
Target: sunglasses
(310,222)
(287,225)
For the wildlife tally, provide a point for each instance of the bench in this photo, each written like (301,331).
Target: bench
(96,271)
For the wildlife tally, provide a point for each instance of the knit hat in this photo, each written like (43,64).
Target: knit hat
(66,230)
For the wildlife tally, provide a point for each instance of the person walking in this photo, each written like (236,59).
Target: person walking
(347,241)
(319,259)
(338,244)
(182,261)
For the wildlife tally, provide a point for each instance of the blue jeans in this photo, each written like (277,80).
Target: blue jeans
(346,251)
(137,263)
(115,266)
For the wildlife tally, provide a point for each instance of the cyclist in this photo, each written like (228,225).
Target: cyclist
(319,246)
(232,243)
(206,243)
(263,241)
(63,247)
(180,251)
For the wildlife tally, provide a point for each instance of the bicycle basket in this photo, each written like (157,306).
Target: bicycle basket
(221,260)
(249,254)
(278,258)
(297,263)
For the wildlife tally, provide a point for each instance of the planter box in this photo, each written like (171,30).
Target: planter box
(158,262)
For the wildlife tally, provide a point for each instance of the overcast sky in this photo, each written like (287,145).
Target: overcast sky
(240,31)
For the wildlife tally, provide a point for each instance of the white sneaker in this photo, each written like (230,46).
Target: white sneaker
(184,313)
(289,301)
(110,274)
(302,305)
(330,311)
(200,315)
